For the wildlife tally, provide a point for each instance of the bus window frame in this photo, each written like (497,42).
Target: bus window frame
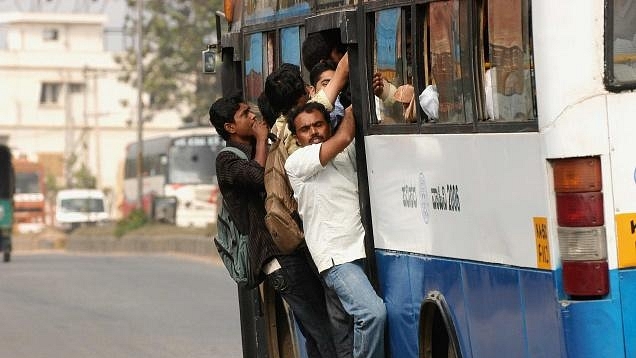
(471,62)
(264,29)
(611,84)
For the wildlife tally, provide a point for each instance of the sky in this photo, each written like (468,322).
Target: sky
(115,9)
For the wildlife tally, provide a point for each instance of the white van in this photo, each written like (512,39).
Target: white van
(77,207)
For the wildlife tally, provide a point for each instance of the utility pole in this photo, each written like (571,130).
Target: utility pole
(140,119)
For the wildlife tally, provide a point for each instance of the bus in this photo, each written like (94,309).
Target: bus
(179,177)
(499,201)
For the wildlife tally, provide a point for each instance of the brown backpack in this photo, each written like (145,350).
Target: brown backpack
(281,218)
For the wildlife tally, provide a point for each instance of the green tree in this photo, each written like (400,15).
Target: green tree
(84,179)
(174,34)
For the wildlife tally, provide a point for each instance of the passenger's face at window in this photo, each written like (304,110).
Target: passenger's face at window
(324,79)
(311,128)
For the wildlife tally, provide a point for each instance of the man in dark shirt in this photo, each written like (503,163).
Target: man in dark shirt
(242,187)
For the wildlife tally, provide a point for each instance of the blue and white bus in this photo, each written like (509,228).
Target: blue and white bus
(501,213)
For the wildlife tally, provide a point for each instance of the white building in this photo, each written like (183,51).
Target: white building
(60,96)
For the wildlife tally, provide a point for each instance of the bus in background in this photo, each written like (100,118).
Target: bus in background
(499,200)
(180,166)
(30,195)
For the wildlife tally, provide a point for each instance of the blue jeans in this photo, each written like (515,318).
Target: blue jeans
(301,288)
(341,324)
(359,299)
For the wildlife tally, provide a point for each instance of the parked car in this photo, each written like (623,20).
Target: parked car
(78,207)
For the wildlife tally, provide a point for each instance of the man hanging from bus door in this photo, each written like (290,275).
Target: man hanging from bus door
(242,187)
(285,89)
(323,174)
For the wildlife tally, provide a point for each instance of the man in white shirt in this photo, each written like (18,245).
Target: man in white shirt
(322,173)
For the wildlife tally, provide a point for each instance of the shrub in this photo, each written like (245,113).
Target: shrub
(136,219)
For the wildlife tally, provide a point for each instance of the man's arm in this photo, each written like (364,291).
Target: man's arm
(260,133)
(339,79)
(340,140)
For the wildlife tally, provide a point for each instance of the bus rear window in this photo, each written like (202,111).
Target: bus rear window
(624,43)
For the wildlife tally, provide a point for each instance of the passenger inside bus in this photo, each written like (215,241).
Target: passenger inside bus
(326,46)
(319,77)
(322,46)
(405,95)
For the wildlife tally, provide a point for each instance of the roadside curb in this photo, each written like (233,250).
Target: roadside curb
(192,245)
(188,245)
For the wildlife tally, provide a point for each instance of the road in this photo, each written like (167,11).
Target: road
(89,306)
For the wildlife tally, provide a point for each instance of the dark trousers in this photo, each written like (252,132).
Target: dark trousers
(302,289)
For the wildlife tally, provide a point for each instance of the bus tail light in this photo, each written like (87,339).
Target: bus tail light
(586,243)
(580,209)
(585,278)
(575,175)
(581,234)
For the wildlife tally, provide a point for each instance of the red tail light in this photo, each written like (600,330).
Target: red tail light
(580,209)
(585,278)
(582,242)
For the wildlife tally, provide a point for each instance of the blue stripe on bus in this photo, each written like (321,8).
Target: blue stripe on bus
(510,312)
(628,296)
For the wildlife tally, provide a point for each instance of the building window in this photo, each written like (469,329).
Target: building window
(50,34)
(76,87)
(50,93)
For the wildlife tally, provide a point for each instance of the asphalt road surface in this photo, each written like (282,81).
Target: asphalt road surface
(83,306)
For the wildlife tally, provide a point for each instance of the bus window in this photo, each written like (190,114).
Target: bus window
(253,67)
(394,100)
(443,70)
(624,42)
(190,159)
(290,53)
(508,79)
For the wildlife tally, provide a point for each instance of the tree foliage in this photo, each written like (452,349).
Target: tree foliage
(174,34)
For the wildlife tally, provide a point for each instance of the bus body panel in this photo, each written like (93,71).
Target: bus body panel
(501,309)
(452,187)
(595,328)
(620,110)
(568,55)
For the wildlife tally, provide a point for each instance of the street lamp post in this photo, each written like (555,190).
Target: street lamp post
(140,122)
